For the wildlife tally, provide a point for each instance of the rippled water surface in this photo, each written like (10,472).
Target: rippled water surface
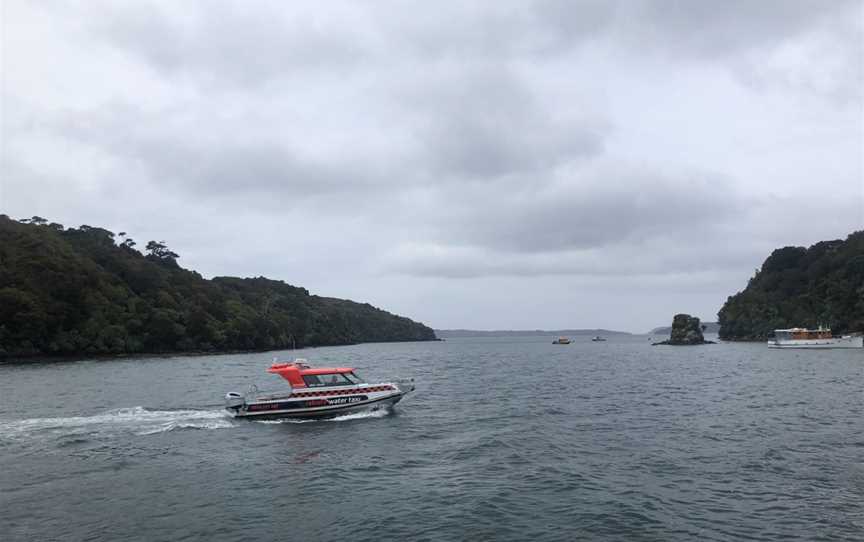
(504,439)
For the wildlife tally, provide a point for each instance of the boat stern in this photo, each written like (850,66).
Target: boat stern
(234,402)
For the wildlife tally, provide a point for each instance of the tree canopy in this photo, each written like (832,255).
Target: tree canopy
(76,291)
(803,287)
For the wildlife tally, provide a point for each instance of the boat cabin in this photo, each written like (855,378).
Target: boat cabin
(801,334)
(300,375)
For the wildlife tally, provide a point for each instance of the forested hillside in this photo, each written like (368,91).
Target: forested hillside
(88,291)
(802,287)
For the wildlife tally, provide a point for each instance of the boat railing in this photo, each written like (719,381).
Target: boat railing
(405,384)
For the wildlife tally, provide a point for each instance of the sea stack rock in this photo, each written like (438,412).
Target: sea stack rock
(686,330)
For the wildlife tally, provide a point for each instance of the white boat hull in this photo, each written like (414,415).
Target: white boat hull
(836,342)
(323,403)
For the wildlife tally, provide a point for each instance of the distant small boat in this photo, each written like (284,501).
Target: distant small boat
(561,340)
(798,337)
(598,339)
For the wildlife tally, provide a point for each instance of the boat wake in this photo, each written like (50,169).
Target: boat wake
(136,420)
(380,413)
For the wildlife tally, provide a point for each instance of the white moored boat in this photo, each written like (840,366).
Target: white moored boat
(316,393)
(798,337)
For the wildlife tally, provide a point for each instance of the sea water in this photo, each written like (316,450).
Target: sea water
(504,439)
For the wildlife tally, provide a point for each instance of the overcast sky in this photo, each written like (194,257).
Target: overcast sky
(467,164)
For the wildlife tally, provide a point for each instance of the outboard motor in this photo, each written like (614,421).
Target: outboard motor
(234,400)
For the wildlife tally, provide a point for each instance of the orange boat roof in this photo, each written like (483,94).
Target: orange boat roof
(326,370)
(294,372)
(306,370)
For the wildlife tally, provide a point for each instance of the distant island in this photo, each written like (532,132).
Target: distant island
(88,291)
(686,330)
(801,287)
(455,333)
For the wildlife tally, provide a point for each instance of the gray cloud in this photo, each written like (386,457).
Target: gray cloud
(245,44)
(534,145)
(671,260)
(594,208)
(501,30)
(605,219)
(486,123)
(707,29)
(219,41)
(191,154)
(484,126)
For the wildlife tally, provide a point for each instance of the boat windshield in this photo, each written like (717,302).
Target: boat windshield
(332,379)
(353,378)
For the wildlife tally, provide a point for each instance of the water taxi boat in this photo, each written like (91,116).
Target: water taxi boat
(798,337)
(321,392)
(561,340)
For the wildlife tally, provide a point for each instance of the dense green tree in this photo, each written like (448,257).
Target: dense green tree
(76,291)
(797,286)
(160,250)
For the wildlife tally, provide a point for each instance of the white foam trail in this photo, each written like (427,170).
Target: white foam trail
(170,426)
(380,413)
(363,414)
(136,419)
